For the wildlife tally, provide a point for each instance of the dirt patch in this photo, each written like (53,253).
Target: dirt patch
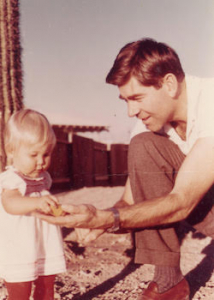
(104,269)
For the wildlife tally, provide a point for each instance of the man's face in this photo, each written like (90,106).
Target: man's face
(153,106)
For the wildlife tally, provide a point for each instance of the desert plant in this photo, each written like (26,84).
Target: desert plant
(11,98)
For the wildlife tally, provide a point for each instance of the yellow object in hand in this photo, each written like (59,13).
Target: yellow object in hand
(57,211)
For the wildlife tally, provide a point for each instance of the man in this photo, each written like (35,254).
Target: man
(171,164)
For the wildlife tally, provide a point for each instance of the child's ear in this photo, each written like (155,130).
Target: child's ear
(171,84)
(10,153)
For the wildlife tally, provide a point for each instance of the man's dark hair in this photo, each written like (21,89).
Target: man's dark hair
(148,61)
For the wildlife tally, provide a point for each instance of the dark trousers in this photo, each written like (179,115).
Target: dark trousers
(153,163)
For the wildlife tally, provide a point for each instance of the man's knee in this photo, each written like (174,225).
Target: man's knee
(145,143)
(142,152)
(152,151)
(139,141)
(157,146)
(149,137)
(141,137)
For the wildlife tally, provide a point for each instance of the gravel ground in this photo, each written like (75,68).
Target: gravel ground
(104,269)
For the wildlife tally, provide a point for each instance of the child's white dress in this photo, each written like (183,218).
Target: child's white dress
(29,247)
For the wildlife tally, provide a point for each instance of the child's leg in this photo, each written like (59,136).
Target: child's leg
(44,288)
(18,290)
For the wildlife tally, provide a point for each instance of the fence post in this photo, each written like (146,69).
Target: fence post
(83,161)
(118,163)
(101,164)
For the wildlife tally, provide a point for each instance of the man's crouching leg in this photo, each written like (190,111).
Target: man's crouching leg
(153,163)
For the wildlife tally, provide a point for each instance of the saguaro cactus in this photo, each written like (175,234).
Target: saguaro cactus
(11,98)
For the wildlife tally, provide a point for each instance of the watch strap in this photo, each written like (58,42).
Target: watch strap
(116,225)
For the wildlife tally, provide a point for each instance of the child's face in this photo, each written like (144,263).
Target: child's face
(32,160)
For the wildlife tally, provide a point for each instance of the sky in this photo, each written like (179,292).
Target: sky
(69,46)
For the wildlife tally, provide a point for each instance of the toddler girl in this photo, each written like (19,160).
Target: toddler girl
(31,250)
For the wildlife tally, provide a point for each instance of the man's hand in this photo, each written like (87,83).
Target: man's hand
(80,216)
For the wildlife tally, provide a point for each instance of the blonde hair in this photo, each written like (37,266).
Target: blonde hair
(28,126)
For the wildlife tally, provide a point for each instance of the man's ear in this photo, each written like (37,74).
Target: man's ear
(171,84)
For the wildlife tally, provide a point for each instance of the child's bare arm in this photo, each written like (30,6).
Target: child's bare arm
(16,204)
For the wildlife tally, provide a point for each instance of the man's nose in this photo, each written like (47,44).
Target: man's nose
(133,109)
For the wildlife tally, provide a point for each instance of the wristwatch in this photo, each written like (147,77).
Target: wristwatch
(116,226)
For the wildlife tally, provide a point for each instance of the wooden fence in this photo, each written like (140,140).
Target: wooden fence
(85,162)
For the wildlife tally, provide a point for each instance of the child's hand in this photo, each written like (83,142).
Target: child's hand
(47,203)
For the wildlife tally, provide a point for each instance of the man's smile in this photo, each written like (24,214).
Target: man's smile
(145,119)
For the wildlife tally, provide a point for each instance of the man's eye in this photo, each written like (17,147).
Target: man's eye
(33,155)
